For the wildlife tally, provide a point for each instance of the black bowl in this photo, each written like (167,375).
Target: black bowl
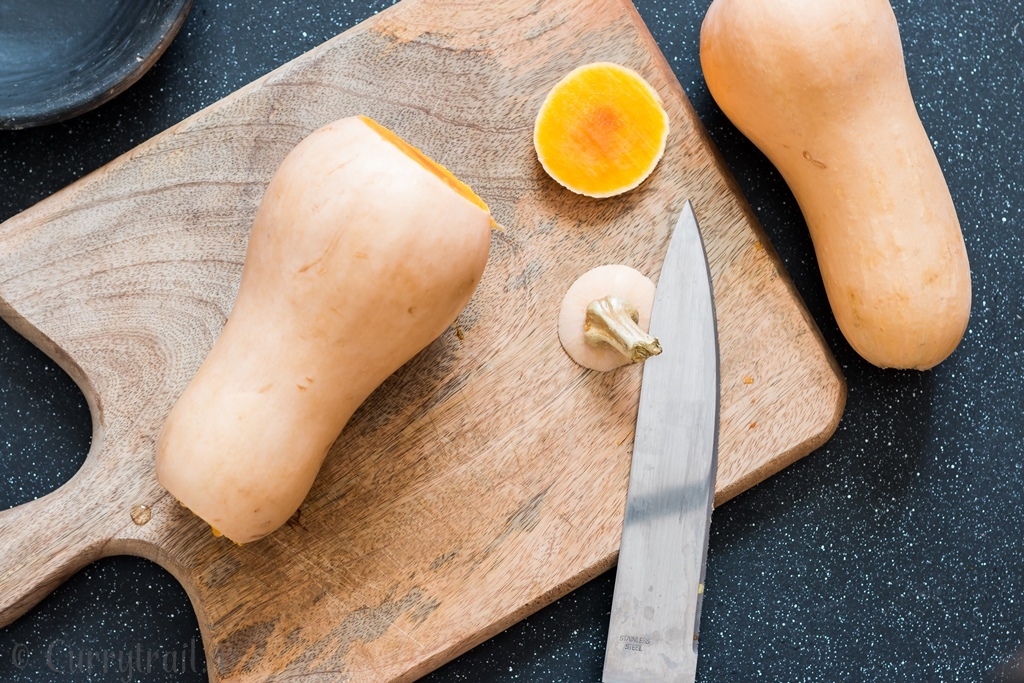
(61,58)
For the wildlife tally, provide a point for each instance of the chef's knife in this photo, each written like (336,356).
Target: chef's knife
(652,636)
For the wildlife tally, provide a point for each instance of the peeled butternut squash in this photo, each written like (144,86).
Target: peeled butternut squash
(820,87)
(362,252)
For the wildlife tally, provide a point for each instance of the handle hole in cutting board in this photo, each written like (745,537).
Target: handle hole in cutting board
(125,606)
(45,425)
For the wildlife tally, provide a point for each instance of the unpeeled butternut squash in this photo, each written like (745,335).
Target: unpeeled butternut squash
(820,87)
(362,252)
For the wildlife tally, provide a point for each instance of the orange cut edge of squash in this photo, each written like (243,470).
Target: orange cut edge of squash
(446,176)
(601,130)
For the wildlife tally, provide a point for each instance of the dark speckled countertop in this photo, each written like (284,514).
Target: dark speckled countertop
(895,552)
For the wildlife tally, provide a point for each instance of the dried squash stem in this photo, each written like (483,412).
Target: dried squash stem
(614,321)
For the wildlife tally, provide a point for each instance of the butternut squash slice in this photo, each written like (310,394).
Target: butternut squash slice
(601,130)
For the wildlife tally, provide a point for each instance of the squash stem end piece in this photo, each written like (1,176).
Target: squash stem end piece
(615,322)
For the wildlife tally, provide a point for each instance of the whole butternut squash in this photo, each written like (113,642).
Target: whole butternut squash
(820,87)
(362,252)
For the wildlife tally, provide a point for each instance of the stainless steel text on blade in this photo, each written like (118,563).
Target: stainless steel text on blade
(652,635)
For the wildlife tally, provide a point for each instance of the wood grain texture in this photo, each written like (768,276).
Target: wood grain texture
(484,479)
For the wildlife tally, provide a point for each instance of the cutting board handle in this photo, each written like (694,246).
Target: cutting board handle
(47,540)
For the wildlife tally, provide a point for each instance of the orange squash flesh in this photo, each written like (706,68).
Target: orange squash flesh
(601,130)
(426,162)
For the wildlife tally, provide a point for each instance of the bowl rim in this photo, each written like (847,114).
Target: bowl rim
(122,74)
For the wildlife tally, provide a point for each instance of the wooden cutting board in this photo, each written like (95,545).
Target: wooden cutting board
(484,479)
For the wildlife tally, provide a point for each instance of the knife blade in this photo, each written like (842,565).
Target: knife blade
(659,585)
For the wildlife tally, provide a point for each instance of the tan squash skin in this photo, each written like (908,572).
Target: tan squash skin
(358,258)
(820,87)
